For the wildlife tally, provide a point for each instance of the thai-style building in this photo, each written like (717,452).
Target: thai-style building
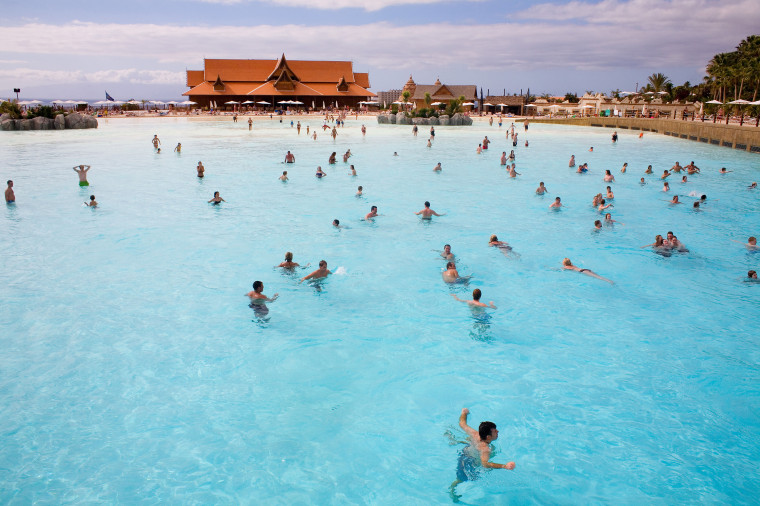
(442,93)
(317,84)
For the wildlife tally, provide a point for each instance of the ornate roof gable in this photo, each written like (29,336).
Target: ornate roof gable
(218,84)
(342,84)
(281,69)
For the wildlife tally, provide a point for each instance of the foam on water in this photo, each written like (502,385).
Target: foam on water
(134,370)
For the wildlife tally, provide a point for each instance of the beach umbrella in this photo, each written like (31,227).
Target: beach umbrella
(649,93)
(231,102)
(313,105)
(434,103)
(756,102)
(172,102)
(263,103)
(662,92)
(82,102)
(134,102)
(296,102)
(156,102)
(57,102)
(284,102)
(715,102)
(188,102)
(489,104)
(468,103)
(739,102)
(248,102)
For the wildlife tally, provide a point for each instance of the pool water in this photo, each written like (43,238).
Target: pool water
(133,369)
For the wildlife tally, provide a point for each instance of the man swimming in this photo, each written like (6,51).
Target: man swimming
(751,244)
(178,148)
(475,302)
(258,299)
(289,263)
(156,141)
(81,171)
(501,245)
(478,449)
(428,213)
(451,275)
(10,197)
(556,204)
(446,253)
(372,213)
(320,273)
(438,167)
(541,188)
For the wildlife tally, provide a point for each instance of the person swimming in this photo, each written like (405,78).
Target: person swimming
(541,188)
(288,263)
(217,199)
(504,247)
(258,299)
(568,265)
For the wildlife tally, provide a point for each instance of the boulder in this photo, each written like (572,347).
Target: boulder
(433,121)
(455,120)
(403,119)
(444,120)
(382,119)
(420,121)
(7,124)
(78,121)
(40,123)
(59,123)
(24,124)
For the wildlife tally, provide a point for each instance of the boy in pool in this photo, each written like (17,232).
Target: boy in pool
(479,446)
(475,302)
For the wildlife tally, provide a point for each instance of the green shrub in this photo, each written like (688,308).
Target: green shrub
(44,111)
(10,108)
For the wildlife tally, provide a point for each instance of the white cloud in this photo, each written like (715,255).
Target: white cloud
(367,5)
(135,76)
(638,34)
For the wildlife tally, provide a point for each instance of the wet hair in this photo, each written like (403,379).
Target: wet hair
(752,274)
(450,265)
(557,199)
(9,181)
(607,172)
(322,263)
(567,262)
(703,197)
(541,183)
(476,294)
(257,285)
(602,201)
(670,232)
(485,429)
(609,188)
(696,204)
(445,245)
(336,222)
(493,238)
(597,223)
(360,188)
(427,204)
(92,197)
(752,239)
(216,194)
(608,215)
(288,256)
(373,208)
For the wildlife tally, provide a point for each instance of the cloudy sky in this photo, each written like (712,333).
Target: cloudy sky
(140,49)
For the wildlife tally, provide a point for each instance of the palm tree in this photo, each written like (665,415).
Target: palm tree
(658,82)
(428,99)
(405,95)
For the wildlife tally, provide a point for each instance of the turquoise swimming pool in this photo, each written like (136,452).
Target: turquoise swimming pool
(133,369)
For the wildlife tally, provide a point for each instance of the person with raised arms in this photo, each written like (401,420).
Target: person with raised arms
(428,213)
(81,171)
(475,302)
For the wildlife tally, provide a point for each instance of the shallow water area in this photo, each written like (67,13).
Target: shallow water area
(134,370)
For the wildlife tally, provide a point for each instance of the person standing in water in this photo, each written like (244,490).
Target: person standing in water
(10,197)
(427,213)
(81,171)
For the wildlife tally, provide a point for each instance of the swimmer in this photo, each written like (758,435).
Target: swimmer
(372,213)
(501,245)
(572,161)
(290,157)
(513,172)
(609,221)
(665,186)
(591,149)
(359,191)
(479,149)
(429,144)
(672,242)
(752,186)
(665,174)
(478,448)
(724,171)
(93,202)
(320,174)
(614,137)
(284,176)
(475,302)
(486,142)
(659,243)
(320,273)
(695,206)
(649,170)
(258,299)
(541,189)
(353,171)
(331,160)
(582,168)
(288,263)
(608,176)
(610,195)
(625,168)
(751,243)
(432,132)
(676,168)
(684,180)
(428,213)
(438,168)
(603,205)
(446,253)
(512,156)
(82,173)
(691,168)
(346,156)
(156,141)
(597,200)
(217,199)
(675,200)
(568,265)
(556,204)
(250,124)
(751,276)
(200,169)
(641,181)
(598,225)
(503,160)
(395,153)
(451,275)
(178,148)
(10,197)
(336,224)
(414,130)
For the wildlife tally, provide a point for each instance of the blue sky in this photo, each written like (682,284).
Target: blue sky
(140,49)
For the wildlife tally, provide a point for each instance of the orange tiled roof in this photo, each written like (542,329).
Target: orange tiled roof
(259,70)
(332,89)
(307,90)
(194,77)
(362,79)
(230,88)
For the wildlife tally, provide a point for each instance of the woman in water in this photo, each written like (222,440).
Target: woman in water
(608,176)
(568,265)
(331,160)
(201,169)
(610,195)
(501,245)
(217,199)
(319,173)
(289,263)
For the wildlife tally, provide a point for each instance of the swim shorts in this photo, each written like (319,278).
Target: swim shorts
(466,467)
(84,183)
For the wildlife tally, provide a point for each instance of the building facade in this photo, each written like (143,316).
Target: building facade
(267,83)
(441,93)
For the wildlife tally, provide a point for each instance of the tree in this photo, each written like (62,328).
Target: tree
(405,96)
(658,82)
(571,97)
(455,105)
(428,99)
